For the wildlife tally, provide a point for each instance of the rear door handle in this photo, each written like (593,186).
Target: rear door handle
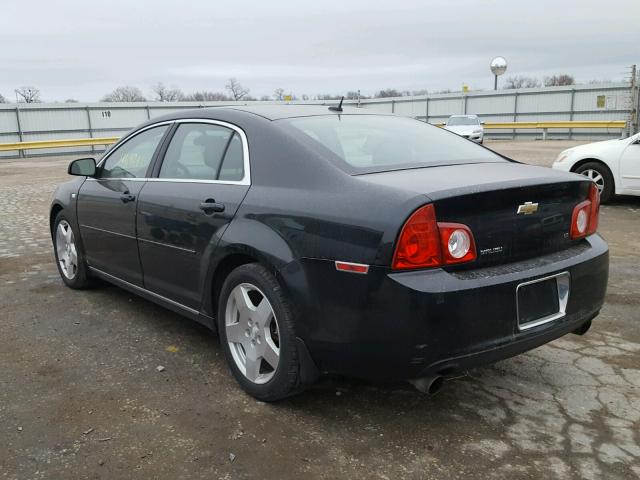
(127,197)
(210,206)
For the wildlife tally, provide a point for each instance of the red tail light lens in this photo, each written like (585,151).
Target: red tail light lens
(423,242)
(419,241)
(594,197)
(584,220)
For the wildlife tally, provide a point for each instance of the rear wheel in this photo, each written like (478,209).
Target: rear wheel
(601,176)
(256,329)
(69,258)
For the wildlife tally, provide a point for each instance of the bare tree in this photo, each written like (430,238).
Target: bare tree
(71,100)
(125,94)
(205,96)
(388,92)
(278,94)
(265,98)
(238,92)
(520,81)
(558,80)
(2,99)
(166,94)
(28,94)
(597,81)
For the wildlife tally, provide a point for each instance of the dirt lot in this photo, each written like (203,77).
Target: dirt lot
(80,396)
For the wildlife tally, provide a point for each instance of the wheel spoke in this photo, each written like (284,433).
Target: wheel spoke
(252,367)
(597,178)
(60,235)
(241,297)
(271,354)
(73,256)
(263,312)
(236,332)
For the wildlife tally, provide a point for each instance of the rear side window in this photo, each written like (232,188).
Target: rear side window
(377,143)
(201,151)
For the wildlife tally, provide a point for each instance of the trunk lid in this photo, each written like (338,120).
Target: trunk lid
(486,197)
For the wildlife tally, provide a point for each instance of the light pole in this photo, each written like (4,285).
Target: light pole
(498,66)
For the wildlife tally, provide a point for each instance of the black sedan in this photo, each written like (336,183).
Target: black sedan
(323,240)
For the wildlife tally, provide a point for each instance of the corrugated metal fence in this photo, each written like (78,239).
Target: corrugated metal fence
(27,122)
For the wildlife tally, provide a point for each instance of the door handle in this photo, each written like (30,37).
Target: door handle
(127,197)
(210,206)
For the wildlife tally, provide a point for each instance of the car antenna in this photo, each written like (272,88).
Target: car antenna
(339,107)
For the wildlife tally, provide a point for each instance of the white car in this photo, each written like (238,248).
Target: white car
(467,126)
(613,164)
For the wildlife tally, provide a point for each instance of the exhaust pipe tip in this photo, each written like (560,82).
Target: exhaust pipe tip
(428,385)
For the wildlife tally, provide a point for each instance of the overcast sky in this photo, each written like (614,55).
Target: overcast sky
(84,49)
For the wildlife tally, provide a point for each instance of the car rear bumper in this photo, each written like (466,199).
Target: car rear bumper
(400,325)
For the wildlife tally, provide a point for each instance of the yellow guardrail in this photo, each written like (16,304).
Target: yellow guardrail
(560,124)
(71,142)
(544,126)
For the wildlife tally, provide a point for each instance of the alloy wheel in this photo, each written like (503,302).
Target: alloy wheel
(66,250)
(596,177)
(252,333)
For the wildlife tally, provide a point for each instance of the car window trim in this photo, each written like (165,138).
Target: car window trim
(246,179)
(157,162)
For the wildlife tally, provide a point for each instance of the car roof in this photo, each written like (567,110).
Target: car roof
(280,111)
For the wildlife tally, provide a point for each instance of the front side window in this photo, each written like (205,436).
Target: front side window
(377,143)
(201,151)
(132,159)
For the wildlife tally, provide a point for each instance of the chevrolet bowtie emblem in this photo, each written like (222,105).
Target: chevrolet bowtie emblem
(527,208)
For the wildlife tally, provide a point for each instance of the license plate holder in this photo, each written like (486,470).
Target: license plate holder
(542,300)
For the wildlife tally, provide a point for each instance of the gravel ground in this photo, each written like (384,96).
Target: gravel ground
(80,395)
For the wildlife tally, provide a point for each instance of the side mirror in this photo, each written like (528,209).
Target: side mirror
(84,167)
(482,123)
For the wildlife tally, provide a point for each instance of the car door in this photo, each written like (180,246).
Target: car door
(630,166)
(107,205)
(199,185)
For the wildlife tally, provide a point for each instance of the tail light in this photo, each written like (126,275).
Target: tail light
(584,220)
(424,242)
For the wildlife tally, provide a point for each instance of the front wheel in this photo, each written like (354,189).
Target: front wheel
(256,329)
(69,258)
(601,176)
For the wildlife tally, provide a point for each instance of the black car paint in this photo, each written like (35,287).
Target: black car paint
(301,213)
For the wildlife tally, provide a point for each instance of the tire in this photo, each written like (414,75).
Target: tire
(596,171)
(74,275)
(248,286)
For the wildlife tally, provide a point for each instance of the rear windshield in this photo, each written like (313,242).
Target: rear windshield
(378,143)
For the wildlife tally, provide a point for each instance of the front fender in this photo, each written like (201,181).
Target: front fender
(65,198)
